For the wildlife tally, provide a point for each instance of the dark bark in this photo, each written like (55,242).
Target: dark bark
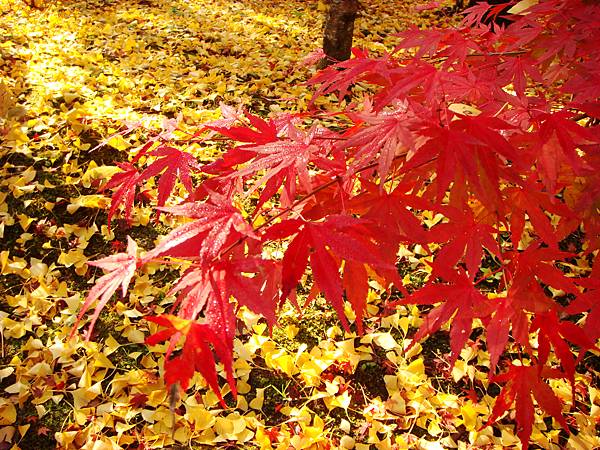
(339,30)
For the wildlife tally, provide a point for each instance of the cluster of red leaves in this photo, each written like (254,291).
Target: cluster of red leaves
(493,128)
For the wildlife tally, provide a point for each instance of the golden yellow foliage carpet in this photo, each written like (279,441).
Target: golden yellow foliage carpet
(74,73)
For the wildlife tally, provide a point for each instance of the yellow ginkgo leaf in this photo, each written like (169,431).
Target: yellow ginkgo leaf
(201,418)
(8,412)
(469,415)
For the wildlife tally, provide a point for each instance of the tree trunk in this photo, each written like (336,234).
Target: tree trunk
(339,29)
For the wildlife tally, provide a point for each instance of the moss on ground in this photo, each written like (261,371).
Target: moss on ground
(312,326)
(275,395)
(40,435)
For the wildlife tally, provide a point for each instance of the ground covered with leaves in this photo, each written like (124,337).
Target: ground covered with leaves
(75,76)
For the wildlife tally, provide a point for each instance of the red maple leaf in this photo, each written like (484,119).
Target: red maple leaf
(344,237)
(340,76)
(536,263)
(385,137)
(470,151)
(284,159)
(217,225)
(585,85)
(466,239)
(452,45)
(525,296)
(230,116)
(458,300)
(557,142)
(173,164)
(588,302)
(475,14)
(356,284)
(196,355)
(512,314)
(121,269)
(427,41)
(392,214)
(530,201)
(264,132)
(555,332)
(254,283)
(207,320)
(583,198)
(420,78)
(517,69)
(523,383)
(124,196)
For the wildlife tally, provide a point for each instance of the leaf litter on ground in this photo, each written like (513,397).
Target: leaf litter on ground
(73,76)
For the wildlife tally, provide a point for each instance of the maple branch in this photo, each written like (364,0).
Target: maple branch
(474,55)
(302,198)
(500,269)
(513,53)
(305,197)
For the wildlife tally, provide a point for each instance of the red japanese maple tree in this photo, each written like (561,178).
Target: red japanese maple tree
(494,128)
